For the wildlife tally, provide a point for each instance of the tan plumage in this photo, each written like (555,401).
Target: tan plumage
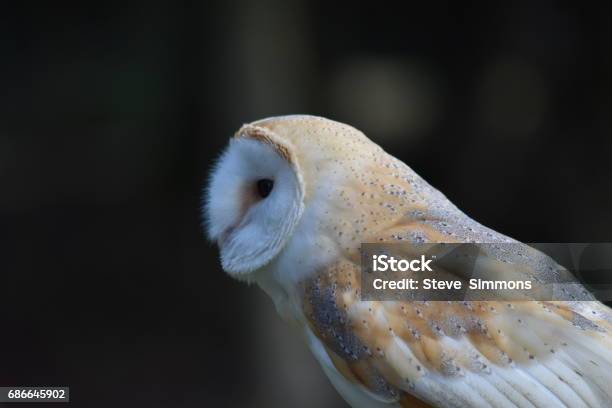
(479,353)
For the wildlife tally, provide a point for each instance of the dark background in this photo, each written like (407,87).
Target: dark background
(110,118)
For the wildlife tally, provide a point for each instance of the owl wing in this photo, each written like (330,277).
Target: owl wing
(473,353)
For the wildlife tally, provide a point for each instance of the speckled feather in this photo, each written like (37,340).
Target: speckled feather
(485,353)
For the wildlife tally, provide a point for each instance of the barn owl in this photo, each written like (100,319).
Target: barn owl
(289,203)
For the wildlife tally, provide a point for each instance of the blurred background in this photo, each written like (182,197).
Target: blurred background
(111,115)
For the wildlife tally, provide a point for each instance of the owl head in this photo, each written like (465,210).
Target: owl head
(297,176)
(254,199)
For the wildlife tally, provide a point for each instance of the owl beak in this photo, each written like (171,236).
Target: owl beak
(224,235)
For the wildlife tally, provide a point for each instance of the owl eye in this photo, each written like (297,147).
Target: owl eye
(264,187)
